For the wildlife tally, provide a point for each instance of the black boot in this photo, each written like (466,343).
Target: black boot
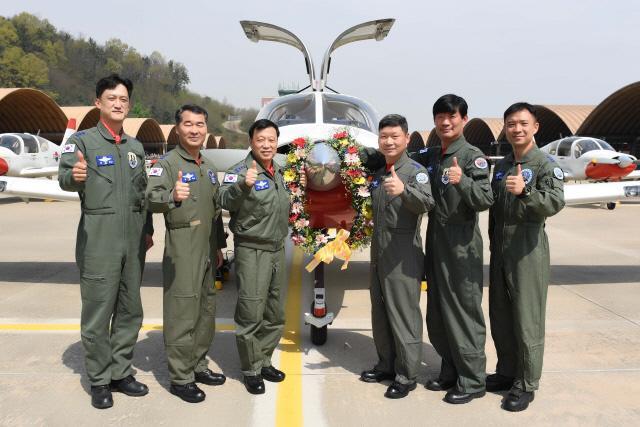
(188,392)
(101,397)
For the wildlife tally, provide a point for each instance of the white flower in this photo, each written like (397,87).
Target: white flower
(301,223)
(322,238)
(296,208)
(300,153)
(363,192)
(351,159)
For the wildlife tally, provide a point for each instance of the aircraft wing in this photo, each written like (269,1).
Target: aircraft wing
(29,188)
(36,172)
(578,194)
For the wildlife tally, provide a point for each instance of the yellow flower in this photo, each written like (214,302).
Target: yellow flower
(367,212)
(368,231)
(359,180)
(344,141)
(289,175)
(291,158)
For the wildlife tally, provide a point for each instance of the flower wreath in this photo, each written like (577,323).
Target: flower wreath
(355,179)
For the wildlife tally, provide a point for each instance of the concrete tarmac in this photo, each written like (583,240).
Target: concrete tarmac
(592,357)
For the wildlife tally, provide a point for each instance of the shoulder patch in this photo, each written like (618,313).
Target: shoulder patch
(80,133)
(69,148)
(422,178)
(557,172)
(155,171)
(240,168)
(481,163)
(230,178)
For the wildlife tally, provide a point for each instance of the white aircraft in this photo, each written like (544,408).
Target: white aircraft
(26,155)
(585,158)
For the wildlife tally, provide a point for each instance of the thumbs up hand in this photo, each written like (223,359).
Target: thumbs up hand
(393,185)
(79,171)
(181,189)
(252,175)
(455,172)
(515,183)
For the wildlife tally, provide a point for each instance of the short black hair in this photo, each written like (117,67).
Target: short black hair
(110,82)
(262,124)
(519,106)
(450,104)
(195,109)
(393,120)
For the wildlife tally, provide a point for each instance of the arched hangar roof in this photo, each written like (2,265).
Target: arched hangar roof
(221,142)
(170,135)
(148,132)
(482,132)
(617,115)
(86,116)
(33,111)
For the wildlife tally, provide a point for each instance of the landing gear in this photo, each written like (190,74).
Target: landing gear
(611,205)
(318,319)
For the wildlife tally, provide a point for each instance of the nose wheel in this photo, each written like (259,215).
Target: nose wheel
(319,318)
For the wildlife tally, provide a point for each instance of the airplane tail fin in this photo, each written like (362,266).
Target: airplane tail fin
(71,129)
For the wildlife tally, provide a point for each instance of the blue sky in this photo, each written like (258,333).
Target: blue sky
(492,53)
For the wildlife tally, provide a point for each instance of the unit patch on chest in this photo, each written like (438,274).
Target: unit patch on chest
(557,172)
(212,176)
(481,163)
(527,175)
(105,160)
(262,184)
(445,176)
(422,178)
(133,159)
(498,176)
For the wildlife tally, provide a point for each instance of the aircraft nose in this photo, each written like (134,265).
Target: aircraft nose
(4,166)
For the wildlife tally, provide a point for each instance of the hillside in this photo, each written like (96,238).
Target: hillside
(33,53)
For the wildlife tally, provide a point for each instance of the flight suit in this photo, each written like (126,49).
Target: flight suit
(397,267)
(519,272)
(189,298)
(110,247)
(453,261)
(259,223)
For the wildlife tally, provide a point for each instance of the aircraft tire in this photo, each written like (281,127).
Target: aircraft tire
(318,335)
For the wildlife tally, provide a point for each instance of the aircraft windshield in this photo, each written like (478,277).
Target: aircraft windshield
(605,145)
(290,110)
(30,144)
(583,146)
(10,142)
(347,111)
(564,148)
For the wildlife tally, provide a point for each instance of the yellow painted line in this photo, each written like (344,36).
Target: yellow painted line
(52,327)
(289,399)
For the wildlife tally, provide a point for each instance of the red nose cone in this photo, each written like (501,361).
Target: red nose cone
(4,167)
(603,172)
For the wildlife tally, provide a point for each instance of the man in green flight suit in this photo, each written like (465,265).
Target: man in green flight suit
(184,187)
(455,322)
(400,194)
(254,193)
(107,169)
(528,188)
(459,176)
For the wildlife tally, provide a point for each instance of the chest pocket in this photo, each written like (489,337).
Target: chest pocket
(99,191)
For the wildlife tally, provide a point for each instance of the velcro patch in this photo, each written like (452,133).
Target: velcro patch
(263,184)
(422,178)
(557,172)
(527,175)
(155,172)
(481,163)
(105,160)
(189,177)
(69,148)
(230,178)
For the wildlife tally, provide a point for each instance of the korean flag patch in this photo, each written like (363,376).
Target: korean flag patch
(422,178)
(133,159)
(189,177)
(212,176)
(68,148)
(105,160)
(263,184)
(481,163)
(230,178)
(155,172)
(557,172)
(527,175)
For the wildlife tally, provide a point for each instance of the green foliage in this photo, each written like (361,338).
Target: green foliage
(33,53)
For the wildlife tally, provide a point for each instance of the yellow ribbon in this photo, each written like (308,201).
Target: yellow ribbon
(337,248)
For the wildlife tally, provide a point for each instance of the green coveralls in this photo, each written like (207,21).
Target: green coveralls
(453,262)
(189,300)
(520,264)
(259,222)
(397,267)
(110,247)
